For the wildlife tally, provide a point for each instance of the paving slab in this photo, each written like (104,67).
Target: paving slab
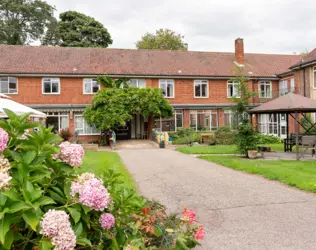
(239,210)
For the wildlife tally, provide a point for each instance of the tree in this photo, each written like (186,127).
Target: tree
(113,107)
(77,30)
(24,20)
(241,99)
(164,39)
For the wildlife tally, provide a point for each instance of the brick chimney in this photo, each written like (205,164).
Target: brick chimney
(239,51)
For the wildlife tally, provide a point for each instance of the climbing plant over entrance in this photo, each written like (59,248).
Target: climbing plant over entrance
(113,107)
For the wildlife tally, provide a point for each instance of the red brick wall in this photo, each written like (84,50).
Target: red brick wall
(71,92)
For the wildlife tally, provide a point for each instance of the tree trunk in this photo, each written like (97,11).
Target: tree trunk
(151,120)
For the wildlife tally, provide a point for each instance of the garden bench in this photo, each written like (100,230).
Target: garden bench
(308,142)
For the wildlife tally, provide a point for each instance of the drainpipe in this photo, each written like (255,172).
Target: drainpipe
(304,81)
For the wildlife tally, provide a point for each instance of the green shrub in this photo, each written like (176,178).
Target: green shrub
(185,136)
(225,136)
(267,139)
(246,139)
(41,205)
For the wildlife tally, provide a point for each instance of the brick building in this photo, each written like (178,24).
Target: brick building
(61,82)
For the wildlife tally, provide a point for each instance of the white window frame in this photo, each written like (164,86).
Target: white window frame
(59,115)
(209,112)
(91,86)
(234,85)
(167,81)
(201,82)
(55,78)
(292,85)
(84,122)
(314,72)
(283,91)
(178,112)
(137,82)
(265,83)
(13,93)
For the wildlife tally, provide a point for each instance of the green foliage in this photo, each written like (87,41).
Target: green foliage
(246,139)
(267,139)
(112,107)
(24,21)
(109,82)
(40,183)
(164,39)
(225,136)
(307,123)
(77,30)
(185,136)
(241,100)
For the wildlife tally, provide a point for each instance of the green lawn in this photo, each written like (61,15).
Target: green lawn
(293,173)
(98,162)
(222,149)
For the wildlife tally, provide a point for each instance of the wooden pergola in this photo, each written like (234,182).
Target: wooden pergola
(292,105)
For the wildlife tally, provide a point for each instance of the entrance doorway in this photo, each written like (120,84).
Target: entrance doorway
(124,132)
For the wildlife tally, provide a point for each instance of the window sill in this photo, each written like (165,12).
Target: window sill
(9,93)
(90,93)
(51,93)
(229,97)
(170,97)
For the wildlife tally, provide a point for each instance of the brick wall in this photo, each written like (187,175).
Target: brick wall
(71,92)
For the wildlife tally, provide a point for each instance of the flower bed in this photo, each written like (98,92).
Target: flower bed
(45,204)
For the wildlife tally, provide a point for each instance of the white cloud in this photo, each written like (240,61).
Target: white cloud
(267,26)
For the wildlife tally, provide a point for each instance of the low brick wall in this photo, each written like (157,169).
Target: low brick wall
(90,147)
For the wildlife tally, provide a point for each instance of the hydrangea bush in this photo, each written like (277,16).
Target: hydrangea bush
(45,204)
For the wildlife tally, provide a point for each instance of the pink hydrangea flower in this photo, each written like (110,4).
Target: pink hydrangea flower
(200,233)
(4,138)
(71,154)
(92,192)
(190,215)
(55,225)
(107,221)
(4,180)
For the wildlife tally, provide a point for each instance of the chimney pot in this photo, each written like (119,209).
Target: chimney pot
(239,51)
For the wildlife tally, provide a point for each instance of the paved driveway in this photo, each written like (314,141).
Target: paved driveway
(239,211)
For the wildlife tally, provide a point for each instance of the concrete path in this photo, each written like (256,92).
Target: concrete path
(239,211)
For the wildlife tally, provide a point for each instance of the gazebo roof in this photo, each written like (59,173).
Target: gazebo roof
(286,104)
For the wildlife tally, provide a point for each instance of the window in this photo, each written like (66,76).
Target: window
(90,86)
(203,120)
(8,85)
(200,88)
(265,89)
(283,88)
(57,120)
(170,124)
(168,88)
(51,86)
(84,128)
(179,118)
(232,89)
(292,83)
(314,77)
(137,83)
(230,119)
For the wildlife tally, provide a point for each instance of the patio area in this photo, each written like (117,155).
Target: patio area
(279,155)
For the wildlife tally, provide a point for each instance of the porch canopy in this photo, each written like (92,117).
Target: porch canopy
(291,105)
(17,108)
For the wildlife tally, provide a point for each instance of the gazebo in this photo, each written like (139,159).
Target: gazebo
(292,105)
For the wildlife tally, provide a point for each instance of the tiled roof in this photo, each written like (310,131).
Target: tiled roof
(310,57)
(287,103)
(81,61)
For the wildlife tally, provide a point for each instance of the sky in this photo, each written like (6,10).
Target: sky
(267,26)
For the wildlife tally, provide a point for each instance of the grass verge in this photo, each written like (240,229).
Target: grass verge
(293,173)
(98,162)
(222,149)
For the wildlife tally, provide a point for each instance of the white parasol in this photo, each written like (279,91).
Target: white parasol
(16,107)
